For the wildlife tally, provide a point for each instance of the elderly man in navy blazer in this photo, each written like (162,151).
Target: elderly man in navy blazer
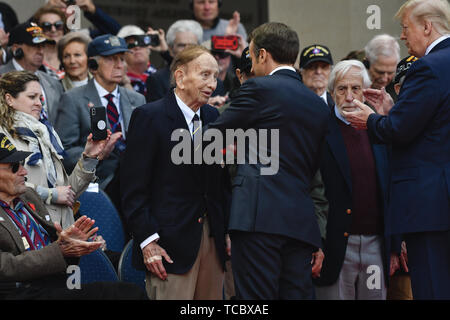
(418,127)
(177,211)
(273,229)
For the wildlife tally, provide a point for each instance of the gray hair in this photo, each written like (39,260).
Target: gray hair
(184,26)
(341,69)
(435,11)
(75,36)
(382,45)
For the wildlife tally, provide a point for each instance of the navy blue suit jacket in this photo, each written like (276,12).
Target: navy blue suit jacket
(278,204)
(161,197)
(418,127)
(336,176)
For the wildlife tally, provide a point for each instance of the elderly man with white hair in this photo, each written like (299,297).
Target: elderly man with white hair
(355,174)
(382,57)
(418,127)
(179,35)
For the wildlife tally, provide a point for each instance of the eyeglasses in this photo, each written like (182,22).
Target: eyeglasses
(47,26)
(15,166)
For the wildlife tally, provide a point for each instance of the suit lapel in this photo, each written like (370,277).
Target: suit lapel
(125,106)
(337,146)
(5,222)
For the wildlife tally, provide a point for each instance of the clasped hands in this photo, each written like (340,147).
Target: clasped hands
(73,241)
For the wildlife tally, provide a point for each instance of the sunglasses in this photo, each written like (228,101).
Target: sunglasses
(16,165)
(47,26)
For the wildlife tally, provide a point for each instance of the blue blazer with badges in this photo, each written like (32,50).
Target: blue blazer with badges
(336,176)
(418,127)
(161,197)
(277,204)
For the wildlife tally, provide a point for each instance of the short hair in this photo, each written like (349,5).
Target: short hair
(341,69)
(74,36)
(278,39)
(13,83)
(435,11)
(184,26)
(190,53)
(382,45)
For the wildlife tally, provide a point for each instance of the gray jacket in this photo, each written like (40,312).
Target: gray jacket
(73,125)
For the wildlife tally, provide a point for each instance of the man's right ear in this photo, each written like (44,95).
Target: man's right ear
(179,77)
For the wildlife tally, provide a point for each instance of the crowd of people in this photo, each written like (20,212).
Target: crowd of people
(358,208)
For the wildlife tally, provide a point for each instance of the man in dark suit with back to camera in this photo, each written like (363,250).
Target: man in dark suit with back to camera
(273,229)
(177,212)
(418,127)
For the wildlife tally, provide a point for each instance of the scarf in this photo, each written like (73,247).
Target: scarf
(43,142)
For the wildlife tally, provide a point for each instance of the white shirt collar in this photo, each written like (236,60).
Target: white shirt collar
(436,42)
(102,92)
(18,67)
(187,112)
(282,68)
(339,116)
(324,96)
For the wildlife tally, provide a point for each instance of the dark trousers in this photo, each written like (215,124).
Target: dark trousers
(429,264)
(269,267)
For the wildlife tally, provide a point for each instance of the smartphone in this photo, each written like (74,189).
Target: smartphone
(151,39)
(224,42)
(98,123)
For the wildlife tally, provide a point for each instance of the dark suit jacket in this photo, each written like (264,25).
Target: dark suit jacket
(278,204)
(73,125)
(18,265)
(159,196)
(52,88)
(418,127)
(336,175)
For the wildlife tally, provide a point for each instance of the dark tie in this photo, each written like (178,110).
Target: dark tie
(196,133)
(113,114)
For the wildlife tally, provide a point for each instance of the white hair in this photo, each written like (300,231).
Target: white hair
(435,11)
(382,45)
(184,26)
(341,69)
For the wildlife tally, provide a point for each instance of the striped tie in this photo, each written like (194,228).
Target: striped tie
(196,133)
(34,233)
(113,114)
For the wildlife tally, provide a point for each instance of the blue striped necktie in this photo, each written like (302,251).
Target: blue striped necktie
(113,114)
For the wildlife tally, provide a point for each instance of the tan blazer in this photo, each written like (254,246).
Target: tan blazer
(18,265)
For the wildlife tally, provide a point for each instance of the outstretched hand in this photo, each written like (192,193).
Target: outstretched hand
(358,117)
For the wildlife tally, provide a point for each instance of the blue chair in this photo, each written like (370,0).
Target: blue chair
(98,206)
(96,267)
(127,272)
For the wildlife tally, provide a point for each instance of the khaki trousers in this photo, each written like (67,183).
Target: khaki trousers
(203,282)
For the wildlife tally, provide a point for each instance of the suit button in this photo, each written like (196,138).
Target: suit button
(200,220)
(346,234)
(349,211)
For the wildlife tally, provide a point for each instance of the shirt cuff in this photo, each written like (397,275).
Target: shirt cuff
(152,238)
